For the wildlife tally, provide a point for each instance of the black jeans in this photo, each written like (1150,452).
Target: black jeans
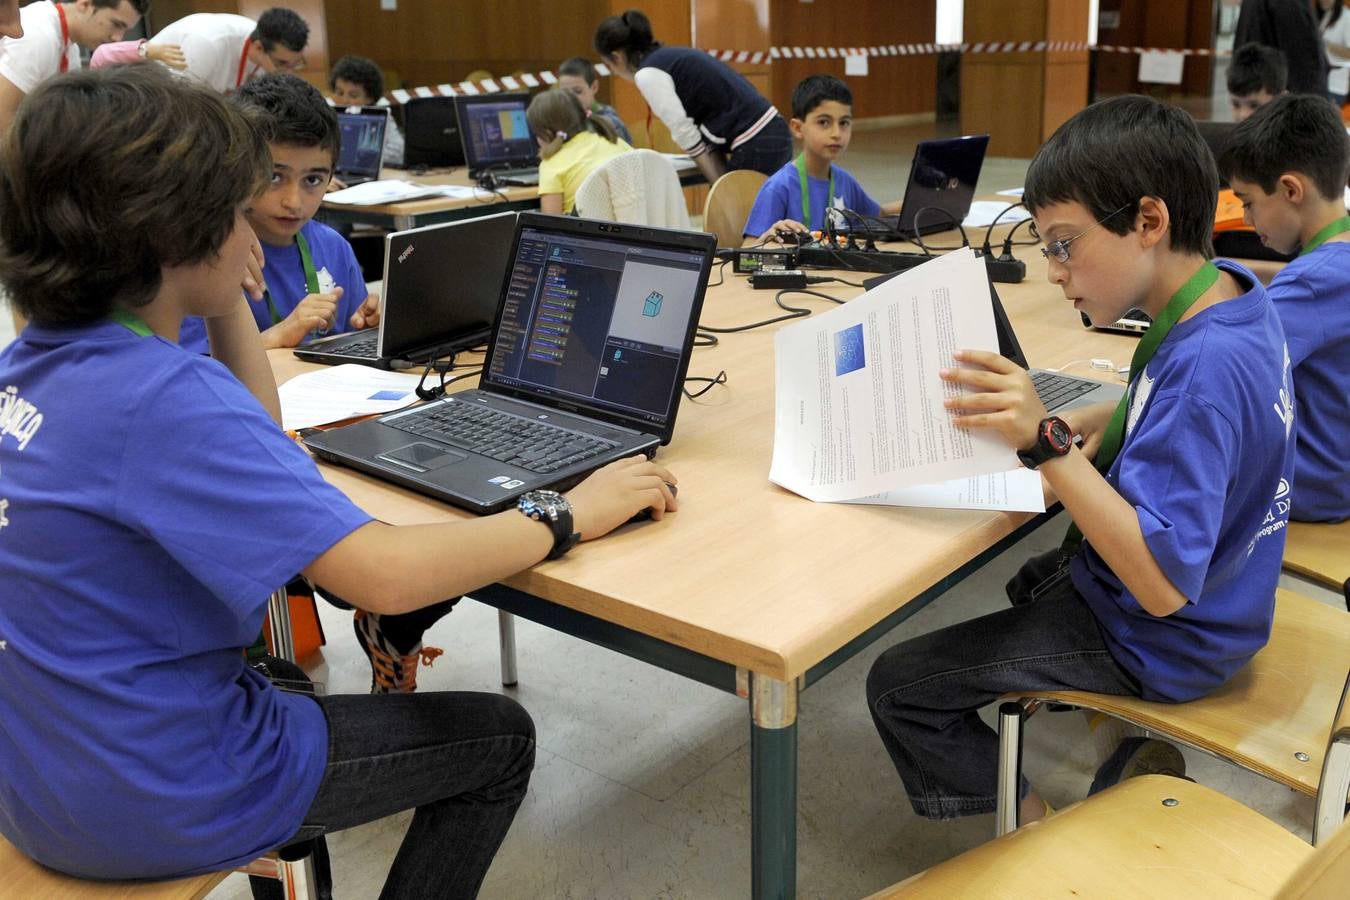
(461,760)
(924,694)
(767,152)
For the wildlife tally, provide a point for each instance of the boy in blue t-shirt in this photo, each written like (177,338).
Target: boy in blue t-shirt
(1171,589)
(1287,163)
(822,119)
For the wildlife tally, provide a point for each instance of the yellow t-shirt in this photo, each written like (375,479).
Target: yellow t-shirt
(564,171)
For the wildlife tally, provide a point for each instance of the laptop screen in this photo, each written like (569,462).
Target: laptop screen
(431,132)
(362,145)
(603,322)
(495,131)
(942,182)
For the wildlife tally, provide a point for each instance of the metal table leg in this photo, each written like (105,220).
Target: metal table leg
(773,787)
(506,633)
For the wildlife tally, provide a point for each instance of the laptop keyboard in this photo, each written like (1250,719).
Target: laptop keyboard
(363,347)
(1057,390)
(507,438)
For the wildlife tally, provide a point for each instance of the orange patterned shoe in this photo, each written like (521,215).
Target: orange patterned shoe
(391,672)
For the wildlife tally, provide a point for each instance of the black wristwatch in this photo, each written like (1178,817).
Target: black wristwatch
(1054,438)
(551,508)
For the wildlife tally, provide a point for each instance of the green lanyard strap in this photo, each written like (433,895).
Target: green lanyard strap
(131,322)
(806,191)
(311,276)
(1114,435)
(1339,226)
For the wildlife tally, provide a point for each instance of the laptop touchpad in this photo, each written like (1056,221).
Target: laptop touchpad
(422,457)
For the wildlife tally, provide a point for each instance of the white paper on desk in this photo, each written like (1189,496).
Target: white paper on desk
(858,400)
(983,212)
(1015,491)
(457,191)
(390,190)
(1011,192)
(340,392)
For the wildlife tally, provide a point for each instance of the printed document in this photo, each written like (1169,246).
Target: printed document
(859,402)
(340,392)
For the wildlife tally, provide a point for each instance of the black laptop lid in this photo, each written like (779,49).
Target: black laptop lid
(441,285)
(362,146)
(1216,136)
(431,133)
(942,182)
(599,318)
(1008,346)
(495,131)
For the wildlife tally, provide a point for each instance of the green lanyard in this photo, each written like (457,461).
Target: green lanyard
(1114,435)
(1337,227)
(806,191)
(311,276)
(131,322)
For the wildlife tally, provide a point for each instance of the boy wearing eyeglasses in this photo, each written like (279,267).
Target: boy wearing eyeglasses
(1165,587)
(1288,164)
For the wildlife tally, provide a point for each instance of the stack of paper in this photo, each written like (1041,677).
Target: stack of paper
(340,392)
(859,412)
(373,193)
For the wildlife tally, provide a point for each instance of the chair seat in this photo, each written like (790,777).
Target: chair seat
(1126,842)
(24,879)
(1319,552)
(1272,717)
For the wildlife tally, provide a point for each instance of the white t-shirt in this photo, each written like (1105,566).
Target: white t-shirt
(1338,82)
(214,45)
(30,60)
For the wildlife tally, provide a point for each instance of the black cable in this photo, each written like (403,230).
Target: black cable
(1009,243)
(793,312)
(918,233)
(721,273)
(815,279)
(990,230)
(702,339)
(719,378)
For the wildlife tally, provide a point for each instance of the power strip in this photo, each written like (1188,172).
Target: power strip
(1007,271)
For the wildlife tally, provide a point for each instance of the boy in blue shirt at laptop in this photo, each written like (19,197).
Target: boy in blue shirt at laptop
(796,196)
(1168,589)
(1287,163)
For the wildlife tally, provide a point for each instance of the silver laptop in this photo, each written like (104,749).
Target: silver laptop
(440,289)
(361,150)
(589,349)
(1135,322)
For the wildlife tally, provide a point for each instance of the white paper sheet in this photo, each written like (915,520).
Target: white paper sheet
(983,212)
(858,398)
(1161,66)
(1011,192)
(388,191)
(340,392)
(1016,491)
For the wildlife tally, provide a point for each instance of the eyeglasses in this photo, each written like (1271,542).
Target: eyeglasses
(1059,250)
(288,65)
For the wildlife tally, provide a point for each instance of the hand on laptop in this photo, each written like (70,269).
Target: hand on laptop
(315,313)
(997,394)
(613,495)
(368,316)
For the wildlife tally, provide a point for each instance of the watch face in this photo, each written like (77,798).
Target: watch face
(1059,435)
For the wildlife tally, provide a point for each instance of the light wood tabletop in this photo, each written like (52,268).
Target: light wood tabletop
(746,572)
(411,213)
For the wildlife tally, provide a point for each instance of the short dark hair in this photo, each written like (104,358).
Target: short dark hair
(360,71)
(151,172)
(1256,67)
(630,32)
(1293,133)
(814,90)
(292,111)
(578,67)
(279,25)
(1114,153)
(141,6)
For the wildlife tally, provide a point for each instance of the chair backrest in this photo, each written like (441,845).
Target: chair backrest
(640,187)
(1324,875)
(1335,782)
(729,202)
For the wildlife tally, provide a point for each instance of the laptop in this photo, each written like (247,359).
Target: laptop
(939,192)
(361,150)
(440,292)
(497,138)
(585,365)
(1135,322)
(1216,136)
(1057,391)
(431,133)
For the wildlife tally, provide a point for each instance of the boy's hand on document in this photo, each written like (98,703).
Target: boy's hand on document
(997,394)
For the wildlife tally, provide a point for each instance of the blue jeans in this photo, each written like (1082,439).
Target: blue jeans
(461,760)
(924,694)
(767,152)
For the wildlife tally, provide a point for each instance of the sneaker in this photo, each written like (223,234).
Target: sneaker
(1139,756)
(391,672)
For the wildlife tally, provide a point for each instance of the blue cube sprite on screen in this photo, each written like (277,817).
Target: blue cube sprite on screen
(652,305)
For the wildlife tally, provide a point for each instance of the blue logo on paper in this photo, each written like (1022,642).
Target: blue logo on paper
(848,350)
(651,307)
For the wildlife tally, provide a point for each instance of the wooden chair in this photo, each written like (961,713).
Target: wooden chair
(1271,718)
(1320,552)
(729,203)
(1151,836)
(24,879)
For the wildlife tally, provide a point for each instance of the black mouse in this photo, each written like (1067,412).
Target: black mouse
(645,513)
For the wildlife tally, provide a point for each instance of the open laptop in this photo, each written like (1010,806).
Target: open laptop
(361,150)
(431,133)
(440,288)
(591,342)
(497,138)
(1135,322)
(939,192)
(1057,391)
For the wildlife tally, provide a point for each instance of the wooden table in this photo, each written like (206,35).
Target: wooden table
(750,588)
